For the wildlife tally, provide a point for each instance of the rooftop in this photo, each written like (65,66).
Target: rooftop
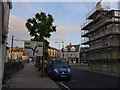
(53,48)
(70,46)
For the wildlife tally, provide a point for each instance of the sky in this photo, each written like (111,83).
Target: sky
(68,17)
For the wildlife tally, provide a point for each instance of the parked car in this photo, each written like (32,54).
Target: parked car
(58,69)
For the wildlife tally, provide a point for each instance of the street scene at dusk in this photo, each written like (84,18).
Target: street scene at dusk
(59,44)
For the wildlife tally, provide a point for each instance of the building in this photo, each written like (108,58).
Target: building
(102,32)
(84,55)
(53,53)
(71,53)
(4,21)
(17,53)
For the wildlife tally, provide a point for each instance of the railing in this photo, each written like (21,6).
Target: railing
(105,44)
(105,32)
(83,32)
(94,9)
(97,24)
(85,40)
(89,13)
(86,23)
(10,68)
(101,22)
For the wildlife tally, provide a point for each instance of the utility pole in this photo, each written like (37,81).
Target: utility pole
(12,46)
(59,47)
(33,49)
(43,64)
(63,51)
(11,53)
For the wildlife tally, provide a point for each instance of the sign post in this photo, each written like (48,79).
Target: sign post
(35,49)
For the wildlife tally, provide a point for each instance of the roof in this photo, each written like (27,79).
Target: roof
(53,48)
(69,47)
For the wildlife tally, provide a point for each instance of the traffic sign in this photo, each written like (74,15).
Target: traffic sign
(33,46)
(36,51)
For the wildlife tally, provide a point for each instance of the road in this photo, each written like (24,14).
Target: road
(87,79)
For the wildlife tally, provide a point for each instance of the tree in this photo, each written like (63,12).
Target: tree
(40,28)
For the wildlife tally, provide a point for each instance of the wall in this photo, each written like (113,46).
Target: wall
(53,53)
(68,54)
(1,45)
(106,66)
(4,20)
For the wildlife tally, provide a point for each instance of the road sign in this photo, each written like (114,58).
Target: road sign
(27,49)
(39,49)
(36,51)
(30,46)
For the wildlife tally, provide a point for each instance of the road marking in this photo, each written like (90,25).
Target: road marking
(64,85)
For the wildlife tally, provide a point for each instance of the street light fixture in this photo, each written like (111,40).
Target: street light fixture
(63,52)
(59,46)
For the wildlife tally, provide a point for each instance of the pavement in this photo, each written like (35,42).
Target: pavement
(30,77)
(86,67)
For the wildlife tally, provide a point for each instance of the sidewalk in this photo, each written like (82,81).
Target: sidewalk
(29,77)
(85,67)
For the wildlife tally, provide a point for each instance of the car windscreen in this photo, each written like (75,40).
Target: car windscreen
(60,64)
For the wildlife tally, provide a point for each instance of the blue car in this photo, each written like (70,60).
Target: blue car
(58,69)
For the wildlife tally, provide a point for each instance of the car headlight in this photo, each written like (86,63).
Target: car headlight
(56,70)
(69,70)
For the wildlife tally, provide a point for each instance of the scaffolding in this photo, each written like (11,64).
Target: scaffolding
(102,35)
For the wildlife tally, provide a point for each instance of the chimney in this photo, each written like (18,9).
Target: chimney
(70,43)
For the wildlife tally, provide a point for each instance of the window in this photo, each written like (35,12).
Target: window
(27,47)
(60,63)
(117,13)
(72,48)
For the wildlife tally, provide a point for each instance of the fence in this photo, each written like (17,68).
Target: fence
(10,68)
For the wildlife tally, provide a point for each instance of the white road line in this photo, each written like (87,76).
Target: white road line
(64,85)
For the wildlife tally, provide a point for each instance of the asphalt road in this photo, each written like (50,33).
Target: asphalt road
(86,79)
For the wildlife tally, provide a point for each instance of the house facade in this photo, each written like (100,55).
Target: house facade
(71,53)
(53,53)
(17,53)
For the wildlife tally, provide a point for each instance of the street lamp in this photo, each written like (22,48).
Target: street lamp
(63,52)
(59,46)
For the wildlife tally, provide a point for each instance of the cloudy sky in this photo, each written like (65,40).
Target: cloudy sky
(68,16)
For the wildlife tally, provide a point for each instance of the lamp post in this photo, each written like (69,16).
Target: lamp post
(12,47)
(63,52)
(59,46)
